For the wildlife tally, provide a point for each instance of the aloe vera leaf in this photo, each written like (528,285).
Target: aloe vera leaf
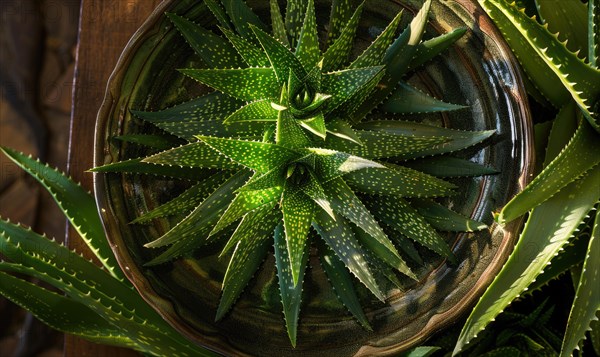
(443,218)
(379,257)
(397,60)
(315,191)
(344,84)
(288,132)
(381,144)
(587,296)
(343,130)
(273,178)
(200,221)
(148,337)
(373,55)
(279,30)
(200,115)
(345,202)
(421,351)
(339,15)
(548,228)
(62,313)
(315,125)
(398,181)
(159,142)
(218,11)
(568,20)
(258,156)
(281,58)
(546,59)
(384,274)
(198,154)
(298,211)
(330,164)
(27,248)
(250,53)
(294,19)
(187,201)
(290,288)
(447,166)
(338,235)
(428,49)
(342,284)
(242,17)
(572,255)
(564,127)
(260,110)
(594,32)
(578,157)
(76,203)
(406,99)
(595,334)
(252,83)
(138,166)
(307,49)
(245,202)
(215,51)
(337,53)
(252,237)
(406,245)
(399,215)
(448,140)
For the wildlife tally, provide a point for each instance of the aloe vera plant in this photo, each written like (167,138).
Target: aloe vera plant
(299,145)
(94,303)
(564,193)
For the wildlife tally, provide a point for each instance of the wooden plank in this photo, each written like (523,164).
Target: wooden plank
(105,27)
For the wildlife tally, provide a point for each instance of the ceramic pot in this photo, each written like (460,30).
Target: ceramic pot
(479,71)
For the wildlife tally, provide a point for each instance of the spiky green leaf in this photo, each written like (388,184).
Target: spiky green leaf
(373,55)
(587,297)
(251,53)
(338,234)
(245,84)
(279,30)
(138,166)
(398,180)
(159,142)
(307,49)
(315,125)
(196,226)
(428,49)
(579,156)
(294,18)
(444,219)
(337,54)
(288,131)
(260,110)
(339,16)
(298,210)
(448,140)
(245,202)
(567,19)
(548,228)
(186,201)
(218,11)
(282,59)
(343,130)
(76,203)
(342,283)
(259,156)
(329,164)
(215,51)
(407,99)
(290,288)
(196,154)
(342,85)
(253,238)
(242,17)
(398,214)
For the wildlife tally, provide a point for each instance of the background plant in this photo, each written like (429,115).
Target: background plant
(566,191)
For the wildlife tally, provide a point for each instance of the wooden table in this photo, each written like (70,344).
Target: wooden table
(105,27)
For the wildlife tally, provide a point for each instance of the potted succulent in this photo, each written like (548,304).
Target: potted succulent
(296,164)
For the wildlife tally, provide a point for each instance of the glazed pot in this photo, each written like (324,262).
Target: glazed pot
(478,71)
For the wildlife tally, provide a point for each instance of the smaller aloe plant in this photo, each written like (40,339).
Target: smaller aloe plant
(97,304)
(291,148)
(566,191)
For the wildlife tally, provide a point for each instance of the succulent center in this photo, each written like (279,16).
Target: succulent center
(297,174)
(303,98)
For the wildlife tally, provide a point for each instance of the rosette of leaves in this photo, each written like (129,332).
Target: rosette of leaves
(564,195)
(291,151)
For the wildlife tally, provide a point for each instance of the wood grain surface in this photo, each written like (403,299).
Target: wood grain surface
(104,29)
